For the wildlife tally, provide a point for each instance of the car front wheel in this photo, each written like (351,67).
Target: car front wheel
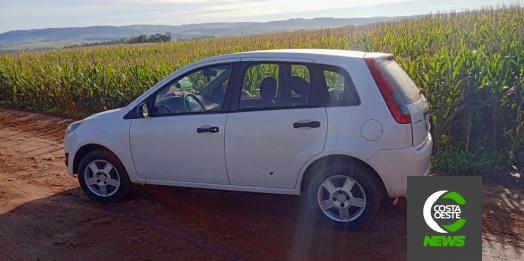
(103,177)
(344,197)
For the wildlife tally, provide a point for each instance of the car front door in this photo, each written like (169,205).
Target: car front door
(277,122)
(181,141)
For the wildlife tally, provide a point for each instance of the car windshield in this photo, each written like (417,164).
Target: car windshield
(203,82)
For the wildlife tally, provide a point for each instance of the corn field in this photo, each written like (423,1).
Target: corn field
(470,66)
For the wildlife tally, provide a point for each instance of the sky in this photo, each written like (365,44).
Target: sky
(39,14)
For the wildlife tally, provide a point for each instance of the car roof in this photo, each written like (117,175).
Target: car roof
(296,53)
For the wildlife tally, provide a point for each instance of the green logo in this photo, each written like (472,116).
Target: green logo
(444,213)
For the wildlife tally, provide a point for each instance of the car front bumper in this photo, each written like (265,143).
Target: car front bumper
(70,147)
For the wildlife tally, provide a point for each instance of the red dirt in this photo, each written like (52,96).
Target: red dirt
(45,216)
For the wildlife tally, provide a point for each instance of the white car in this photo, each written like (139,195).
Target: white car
(343,129)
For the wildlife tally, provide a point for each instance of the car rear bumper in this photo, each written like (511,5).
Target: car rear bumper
(394,166)
(401,190)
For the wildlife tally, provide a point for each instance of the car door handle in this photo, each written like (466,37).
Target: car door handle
(207,129)
(311,124)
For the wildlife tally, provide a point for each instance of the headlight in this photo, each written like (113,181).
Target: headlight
(73,126)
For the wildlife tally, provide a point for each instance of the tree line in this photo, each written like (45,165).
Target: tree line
(156,38)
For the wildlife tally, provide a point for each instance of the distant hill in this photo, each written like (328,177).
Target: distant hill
(38,37)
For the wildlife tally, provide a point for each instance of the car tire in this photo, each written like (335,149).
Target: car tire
(103,177)
(349,193)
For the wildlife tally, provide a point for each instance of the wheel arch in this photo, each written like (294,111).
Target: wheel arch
(86,149)
(335,159)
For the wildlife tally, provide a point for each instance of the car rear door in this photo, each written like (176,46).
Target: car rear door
(277,122)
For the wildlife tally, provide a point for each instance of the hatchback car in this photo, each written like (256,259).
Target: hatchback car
(344,129)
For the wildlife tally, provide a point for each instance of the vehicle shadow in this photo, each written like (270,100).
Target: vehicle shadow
(169,223)
(161,223)
(284,227)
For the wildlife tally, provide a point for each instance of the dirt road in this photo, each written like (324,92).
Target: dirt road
(45,216)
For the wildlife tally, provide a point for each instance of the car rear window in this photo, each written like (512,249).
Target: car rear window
(402,82)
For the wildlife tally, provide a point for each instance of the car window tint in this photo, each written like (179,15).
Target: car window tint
(340,88)
(207,84)
(301,71)
(275,85)
(401,81)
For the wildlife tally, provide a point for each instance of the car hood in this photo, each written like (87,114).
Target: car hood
(108,113)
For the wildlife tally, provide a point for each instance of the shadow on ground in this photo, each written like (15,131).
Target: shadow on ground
(503,215)
(160,223)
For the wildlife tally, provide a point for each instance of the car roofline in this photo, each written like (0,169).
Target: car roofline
(297,53)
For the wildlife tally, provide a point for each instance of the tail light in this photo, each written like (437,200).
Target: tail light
(392,97)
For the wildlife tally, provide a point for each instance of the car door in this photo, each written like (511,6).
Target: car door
(277,122)
(180,141)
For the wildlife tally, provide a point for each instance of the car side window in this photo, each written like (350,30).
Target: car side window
(340,90)
(275,86)
(201,90)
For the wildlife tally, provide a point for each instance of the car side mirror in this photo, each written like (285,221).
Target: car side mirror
(143,110)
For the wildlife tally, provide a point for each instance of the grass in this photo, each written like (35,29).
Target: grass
(470,65)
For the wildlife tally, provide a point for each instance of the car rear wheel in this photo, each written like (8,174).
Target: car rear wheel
(103,177)
(345,196)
